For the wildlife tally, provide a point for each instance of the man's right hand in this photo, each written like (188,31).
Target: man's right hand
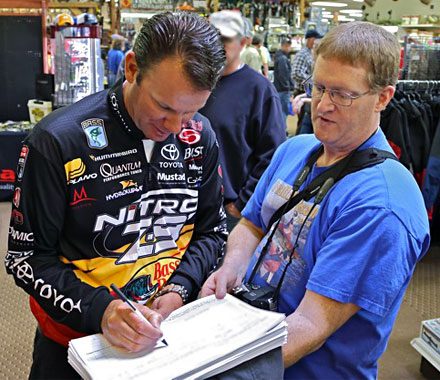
(221,282)
(123,328)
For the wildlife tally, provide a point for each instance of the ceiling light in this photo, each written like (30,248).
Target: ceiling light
(343,18)
(327,16)
(328,4)
(358,1)
(351,11)
(355,15)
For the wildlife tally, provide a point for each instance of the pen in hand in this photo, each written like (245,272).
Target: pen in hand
(136,310)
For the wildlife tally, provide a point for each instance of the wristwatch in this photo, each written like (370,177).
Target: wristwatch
(173,288)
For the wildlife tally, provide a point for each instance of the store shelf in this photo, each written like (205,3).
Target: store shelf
(421,26)
(427,352)
(65,4)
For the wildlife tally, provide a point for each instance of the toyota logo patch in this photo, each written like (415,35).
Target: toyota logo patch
(170,152)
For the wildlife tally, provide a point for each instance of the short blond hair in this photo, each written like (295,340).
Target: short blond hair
(366,45)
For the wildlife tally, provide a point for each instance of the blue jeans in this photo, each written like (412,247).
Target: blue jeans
(268,366)
(284,98)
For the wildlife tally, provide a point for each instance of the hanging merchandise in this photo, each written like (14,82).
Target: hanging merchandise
(412,126)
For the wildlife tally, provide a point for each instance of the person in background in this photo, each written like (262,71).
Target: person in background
(252,56)
(342,264)
(282,75)
(301,69)
(122,187)
(245,112)
(114,58)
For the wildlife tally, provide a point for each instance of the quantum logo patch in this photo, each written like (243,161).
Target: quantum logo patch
(95,132)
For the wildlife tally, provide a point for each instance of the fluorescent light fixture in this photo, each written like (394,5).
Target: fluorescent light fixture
(350,11)
(358,1)
(355,15)
(137,14)
(342,18)
(328,4)
(327,16)
(324,20)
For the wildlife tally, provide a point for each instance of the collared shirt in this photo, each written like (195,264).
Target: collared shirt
(302,67)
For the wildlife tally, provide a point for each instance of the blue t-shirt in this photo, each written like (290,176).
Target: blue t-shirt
(362,247)
(114,58)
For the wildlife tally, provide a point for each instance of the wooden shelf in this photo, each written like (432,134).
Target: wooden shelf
(65,4)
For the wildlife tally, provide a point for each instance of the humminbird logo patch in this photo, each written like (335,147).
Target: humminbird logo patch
(147,227)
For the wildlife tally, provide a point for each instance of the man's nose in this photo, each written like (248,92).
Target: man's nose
(325,104)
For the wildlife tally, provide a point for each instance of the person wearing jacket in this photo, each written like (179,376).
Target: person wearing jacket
(122,187)
(282,75)
(245,112)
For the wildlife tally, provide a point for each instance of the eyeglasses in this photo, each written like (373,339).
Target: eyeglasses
(340,98)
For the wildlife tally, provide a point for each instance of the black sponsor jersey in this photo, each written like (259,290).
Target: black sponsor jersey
(90,209)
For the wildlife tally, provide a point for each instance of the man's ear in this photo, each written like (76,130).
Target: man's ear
(385,96)
(131,67)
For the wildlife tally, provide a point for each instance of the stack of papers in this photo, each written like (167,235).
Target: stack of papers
(205,337)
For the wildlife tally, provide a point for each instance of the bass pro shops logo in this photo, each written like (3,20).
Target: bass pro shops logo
(147,227)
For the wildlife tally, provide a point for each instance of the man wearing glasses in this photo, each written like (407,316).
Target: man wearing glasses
(354,252)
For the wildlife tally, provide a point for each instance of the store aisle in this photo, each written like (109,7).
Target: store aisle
(400,361)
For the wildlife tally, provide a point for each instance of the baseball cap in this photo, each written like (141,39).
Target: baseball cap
(229,23)
(312,33)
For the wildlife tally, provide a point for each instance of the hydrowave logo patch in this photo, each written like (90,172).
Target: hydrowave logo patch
(147,227)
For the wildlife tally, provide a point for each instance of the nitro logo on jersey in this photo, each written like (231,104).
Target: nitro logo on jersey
(147,227)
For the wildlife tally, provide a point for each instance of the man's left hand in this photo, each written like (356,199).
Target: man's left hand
(167,303)
(232,210)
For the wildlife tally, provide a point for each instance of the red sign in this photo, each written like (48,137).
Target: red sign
(7,175)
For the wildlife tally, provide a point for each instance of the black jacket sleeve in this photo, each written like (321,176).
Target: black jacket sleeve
(269,128)
(39,211)
(210,232)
